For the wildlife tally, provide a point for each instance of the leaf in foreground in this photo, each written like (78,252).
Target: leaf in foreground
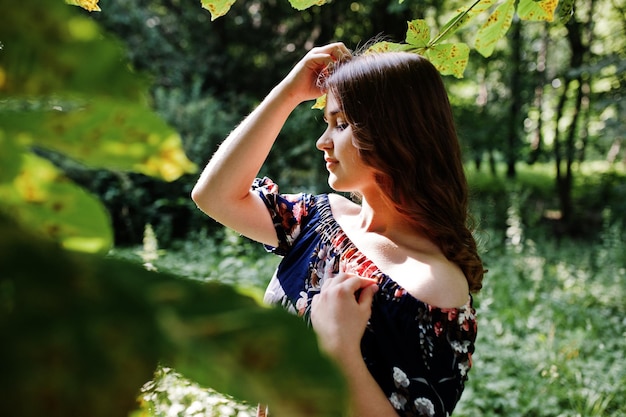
(87,332)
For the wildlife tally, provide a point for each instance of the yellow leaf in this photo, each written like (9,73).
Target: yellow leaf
(418,33)
(495,28)
(217,8)
(320,103)
(42,199)
(387,47)
(170,162)
(537,10)
(89,5)
(449,59)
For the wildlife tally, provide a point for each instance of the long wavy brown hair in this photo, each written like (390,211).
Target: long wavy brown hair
(403,126)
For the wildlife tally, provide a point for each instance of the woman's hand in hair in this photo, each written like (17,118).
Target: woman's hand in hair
(302,82)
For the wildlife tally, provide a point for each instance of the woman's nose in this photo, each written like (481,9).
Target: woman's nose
(324,141)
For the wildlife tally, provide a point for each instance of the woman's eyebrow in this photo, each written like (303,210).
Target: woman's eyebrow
(333,112)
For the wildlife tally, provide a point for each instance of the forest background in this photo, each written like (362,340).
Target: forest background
(541,120)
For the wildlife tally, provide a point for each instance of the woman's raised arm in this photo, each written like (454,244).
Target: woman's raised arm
(223,189)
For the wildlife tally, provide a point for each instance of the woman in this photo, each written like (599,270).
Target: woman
(385,282)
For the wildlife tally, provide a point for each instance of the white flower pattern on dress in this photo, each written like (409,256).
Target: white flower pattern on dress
(400,378)
(425,407)
(398,401)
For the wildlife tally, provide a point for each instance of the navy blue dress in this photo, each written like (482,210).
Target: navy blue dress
(418,353)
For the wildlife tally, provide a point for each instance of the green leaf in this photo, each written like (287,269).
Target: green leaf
(217,8)
(42,199)
(494,28)
(464,15)
(320,103)
(82,336)
(305,4)
(449,59)
(385,46)
(65,86)
(418,33)
(542,10)
(57,50)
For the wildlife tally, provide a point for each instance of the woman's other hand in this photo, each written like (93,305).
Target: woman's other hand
(340,312)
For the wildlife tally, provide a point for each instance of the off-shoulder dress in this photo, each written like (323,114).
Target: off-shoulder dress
(418,353)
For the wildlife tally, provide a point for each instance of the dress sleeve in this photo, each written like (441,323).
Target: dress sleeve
(287,212)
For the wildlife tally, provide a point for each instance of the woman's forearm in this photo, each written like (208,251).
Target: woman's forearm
(366,397)
(230,172)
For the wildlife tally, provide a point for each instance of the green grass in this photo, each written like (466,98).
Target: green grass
(552,331)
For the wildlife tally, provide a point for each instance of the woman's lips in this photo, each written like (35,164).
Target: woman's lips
(330,163)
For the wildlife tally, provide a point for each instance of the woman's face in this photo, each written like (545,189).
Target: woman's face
(346,170)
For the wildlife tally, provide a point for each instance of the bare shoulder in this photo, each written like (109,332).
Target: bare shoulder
(438,282)
(342,206)
(425,273)
(409,259)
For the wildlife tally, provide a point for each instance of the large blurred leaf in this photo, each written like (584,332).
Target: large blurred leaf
(40,197)
(104,133)
(56,50)
(78,337)
(82,334)
(65,86)
(250,352)
(494,28)
(78,94)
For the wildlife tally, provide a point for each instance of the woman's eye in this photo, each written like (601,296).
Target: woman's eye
(342,126)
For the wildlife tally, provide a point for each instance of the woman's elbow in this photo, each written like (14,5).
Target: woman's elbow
(199,196)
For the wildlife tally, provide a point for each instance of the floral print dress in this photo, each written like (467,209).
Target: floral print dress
(418,353)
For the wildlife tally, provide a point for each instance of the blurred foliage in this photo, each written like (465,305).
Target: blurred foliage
(85,333)
(93,110)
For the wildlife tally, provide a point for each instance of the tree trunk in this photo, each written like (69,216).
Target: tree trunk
(536,145)
(565,141)
(516,105)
